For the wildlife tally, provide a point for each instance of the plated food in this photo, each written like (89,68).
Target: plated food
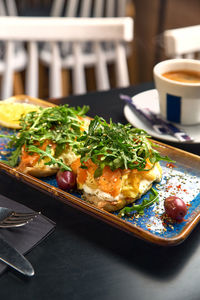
(113,164)
(43,144)
(117,164)
(97,167)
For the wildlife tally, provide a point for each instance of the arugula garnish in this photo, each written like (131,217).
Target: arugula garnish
(59,124)
(52,160)
(139,208)
(116,146)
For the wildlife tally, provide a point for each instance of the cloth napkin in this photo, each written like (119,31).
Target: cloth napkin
(26,237)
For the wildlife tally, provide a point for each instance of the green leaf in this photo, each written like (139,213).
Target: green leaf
(47,153)
(139,208)
(98,172)
(59,149)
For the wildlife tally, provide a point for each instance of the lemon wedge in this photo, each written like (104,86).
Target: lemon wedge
(10,113)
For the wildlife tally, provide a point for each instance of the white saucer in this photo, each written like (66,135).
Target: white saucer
(150,99)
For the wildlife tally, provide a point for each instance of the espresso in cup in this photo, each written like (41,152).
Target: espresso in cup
(188,76)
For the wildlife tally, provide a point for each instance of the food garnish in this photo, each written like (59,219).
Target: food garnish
(140,208)
(47,153)
(175,208)
(117,146)
(60,125)
(66,180)
(117,164)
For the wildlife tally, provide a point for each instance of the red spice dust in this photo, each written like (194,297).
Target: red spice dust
(170,165)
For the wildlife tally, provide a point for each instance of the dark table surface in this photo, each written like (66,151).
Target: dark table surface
(85,258)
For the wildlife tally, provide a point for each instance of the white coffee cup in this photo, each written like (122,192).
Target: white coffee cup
(179,101)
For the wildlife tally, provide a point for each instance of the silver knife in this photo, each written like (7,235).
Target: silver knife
(10,256)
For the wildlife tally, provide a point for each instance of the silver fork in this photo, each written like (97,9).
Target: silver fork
(10,218)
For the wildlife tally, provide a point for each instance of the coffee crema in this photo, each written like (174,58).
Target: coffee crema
(187,76)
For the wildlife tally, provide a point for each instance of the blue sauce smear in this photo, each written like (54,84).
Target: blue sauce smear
(181,181)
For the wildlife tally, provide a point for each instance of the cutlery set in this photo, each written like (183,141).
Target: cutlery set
(9,254)
(10,218)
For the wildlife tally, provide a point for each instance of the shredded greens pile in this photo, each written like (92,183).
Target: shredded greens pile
(116,146)
(59,124)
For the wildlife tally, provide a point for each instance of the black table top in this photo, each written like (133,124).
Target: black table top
(85,258)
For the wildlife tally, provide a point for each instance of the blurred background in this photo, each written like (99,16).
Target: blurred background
(151,19)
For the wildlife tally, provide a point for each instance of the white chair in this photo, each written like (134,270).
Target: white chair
(54,30)
(87,53)
(88,8)
(182,42)
(19,59)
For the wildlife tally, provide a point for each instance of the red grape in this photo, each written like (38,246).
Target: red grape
(66,180)
(175,208)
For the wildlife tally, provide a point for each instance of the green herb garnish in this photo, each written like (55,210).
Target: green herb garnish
(52,160)
(116,146)
(59,124)
(139,208)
